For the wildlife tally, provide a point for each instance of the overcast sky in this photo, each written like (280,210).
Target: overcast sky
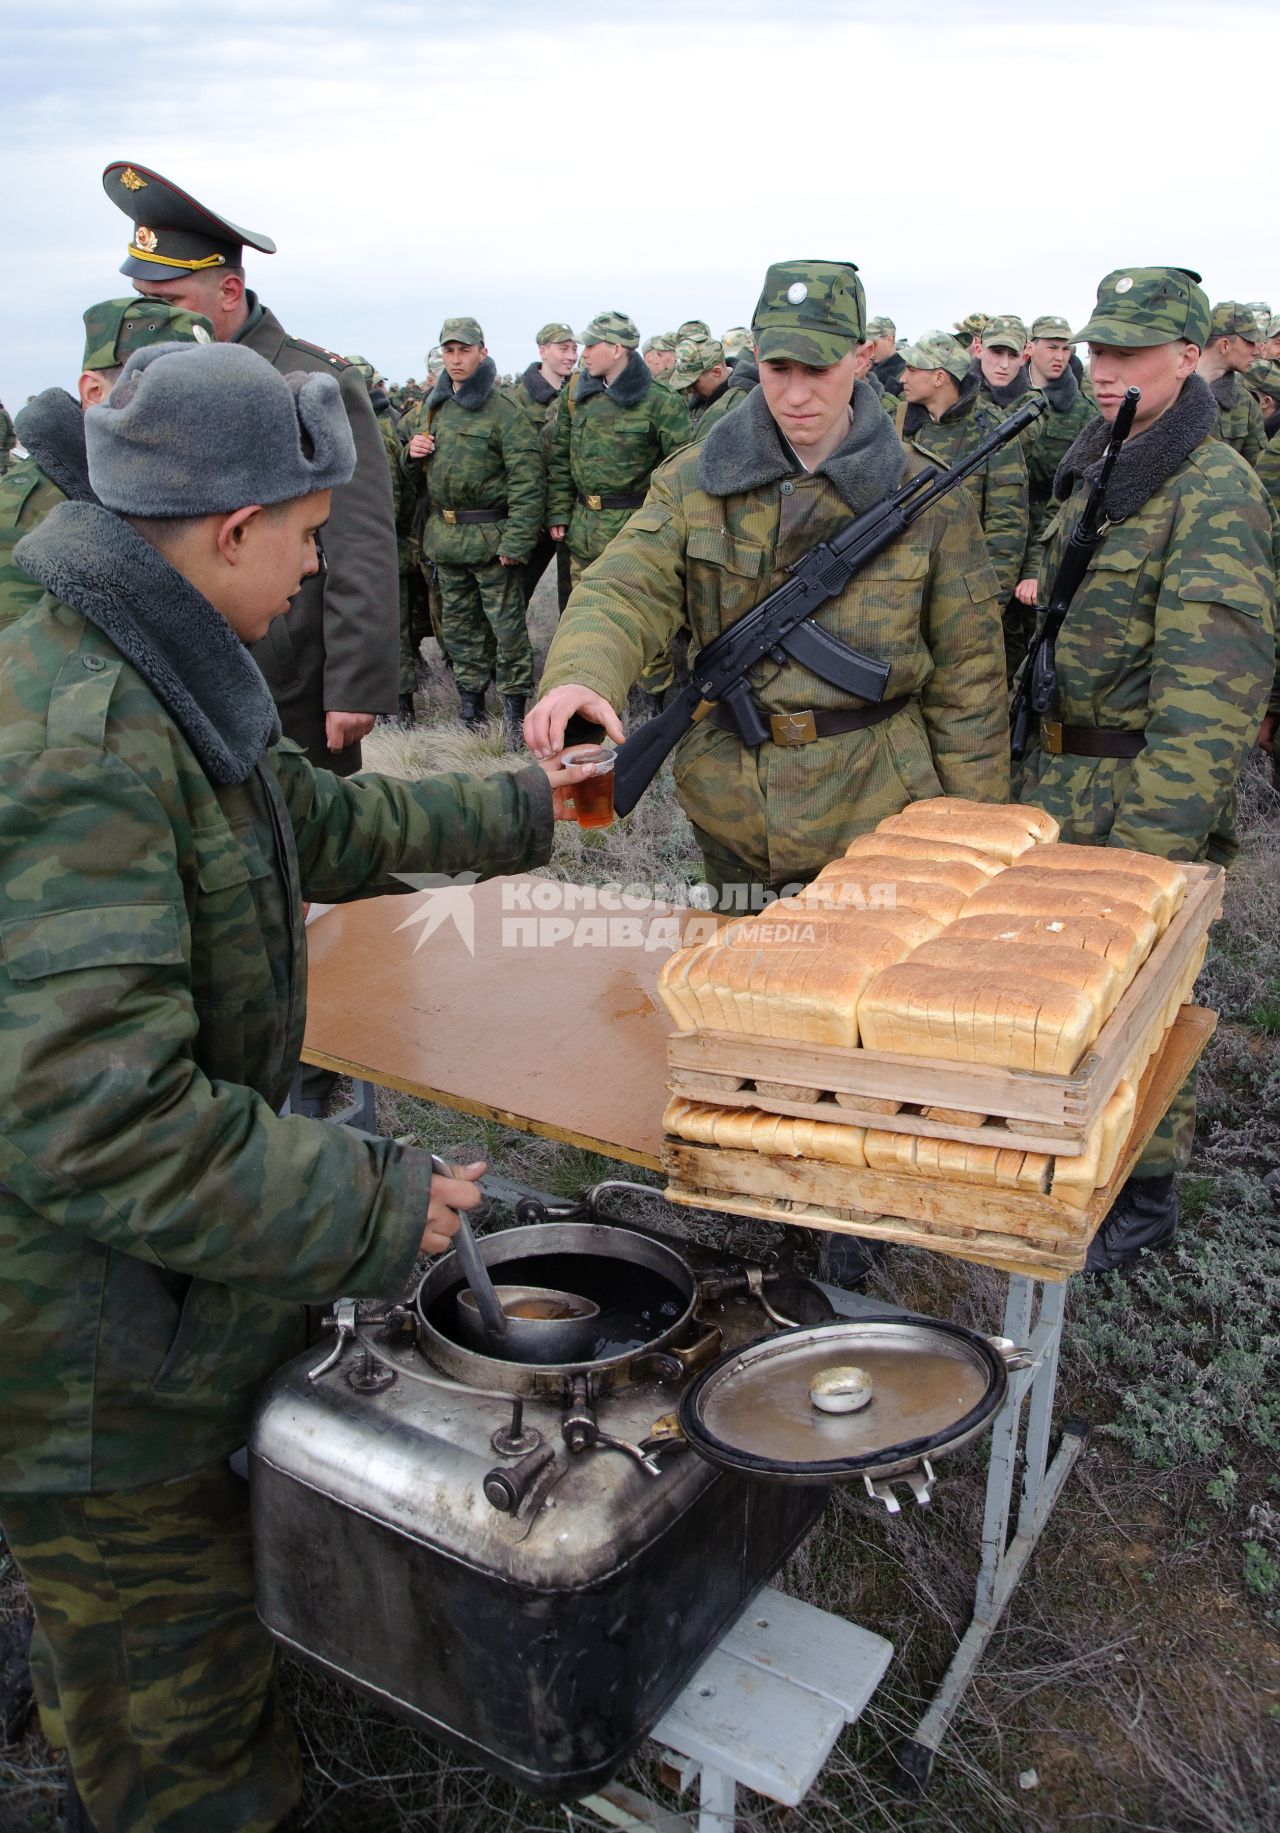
(528,161)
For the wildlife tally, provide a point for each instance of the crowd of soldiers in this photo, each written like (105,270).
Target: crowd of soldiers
(198,626)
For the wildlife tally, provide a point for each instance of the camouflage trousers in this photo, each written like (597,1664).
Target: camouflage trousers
(660,675)
(150,1666)
(482,613)
(415,623)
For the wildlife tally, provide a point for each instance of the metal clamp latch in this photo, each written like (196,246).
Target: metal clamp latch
(343,1321)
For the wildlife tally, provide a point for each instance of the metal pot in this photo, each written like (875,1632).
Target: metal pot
(593,1260)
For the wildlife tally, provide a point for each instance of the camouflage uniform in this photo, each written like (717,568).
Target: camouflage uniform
(535,396)
(56,469)
(1241,418)
(744,377)
(888,371)
(8,439)
(1068,410)
(413,517)
(694,357)
(607,443)
(486,458)
(721,524)
(161,1227)
(1268,468)
(1171,634)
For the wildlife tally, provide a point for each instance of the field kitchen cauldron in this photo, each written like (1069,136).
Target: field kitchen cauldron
(529,1560)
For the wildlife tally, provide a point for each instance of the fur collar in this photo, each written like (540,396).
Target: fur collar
(537,386)
(917,414)
(1223,390)
(631,386)
(471,394)
(1147,459)
(52,429)
(185,651)
(1008,394)
(744,375)
(745,451)
(1061,395)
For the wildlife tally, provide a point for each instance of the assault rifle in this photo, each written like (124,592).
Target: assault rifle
(1037,687)
(782,626)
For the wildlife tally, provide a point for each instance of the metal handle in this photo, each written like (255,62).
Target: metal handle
(698,1354)
(489,1305)
(507,1488)
(919,1478)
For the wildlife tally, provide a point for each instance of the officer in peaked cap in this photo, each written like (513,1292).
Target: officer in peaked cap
(333,664)
(1165,659)
(55,469)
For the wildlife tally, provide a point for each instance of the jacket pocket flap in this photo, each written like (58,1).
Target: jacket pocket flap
(1207,588)
(225,858)
(735,556)
(982,584)
(108,935)
(651,519)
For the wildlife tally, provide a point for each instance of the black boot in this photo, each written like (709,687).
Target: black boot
(471,706)
(847,1260)
(513,706)
(407,715)
(1144,1215)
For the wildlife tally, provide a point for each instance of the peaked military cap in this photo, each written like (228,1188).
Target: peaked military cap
(663,341)
(1050,325)
(1005,331)
(694,356)
(735,340)
(461,331)
(1139,307)
(173,233)
(810,312)
(612,328)
(880,327)
(1231,319)
(937,350)
(115,328)
(557,332)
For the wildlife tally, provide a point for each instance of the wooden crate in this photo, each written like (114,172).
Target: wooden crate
(1016,1108)
(1017,1231)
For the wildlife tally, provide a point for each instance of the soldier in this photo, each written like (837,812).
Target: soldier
(701,375)
(969,330)
(1233,343)
(1166,656)
(1263,382)
(8,439)
(1005,380)
(743,377)
(737,344)
(1069,410)
(337,666)
(538,392)
(722,522)
(1271,342)
(613,426)
(158,847)
(660,354)
(886,362)
(943,416)
(55,469)
(479,467)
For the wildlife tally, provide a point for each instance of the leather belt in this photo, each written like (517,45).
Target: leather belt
(453,516)
(1089,741)
(633,501)
(802,728)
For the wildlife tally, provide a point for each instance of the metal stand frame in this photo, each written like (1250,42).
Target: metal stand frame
(1004,1560)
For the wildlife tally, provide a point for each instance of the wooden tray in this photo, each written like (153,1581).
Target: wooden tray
(1017,1231)
(1022,1110)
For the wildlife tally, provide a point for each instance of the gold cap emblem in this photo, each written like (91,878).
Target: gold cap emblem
(145,239)
(130,180)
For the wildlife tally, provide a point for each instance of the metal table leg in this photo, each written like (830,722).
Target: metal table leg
(1003,1560)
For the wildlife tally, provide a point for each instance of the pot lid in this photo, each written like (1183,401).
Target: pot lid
(844,1399)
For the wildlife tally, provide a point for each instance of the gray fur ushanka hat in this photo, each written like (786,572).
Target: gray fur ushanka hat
(203,429)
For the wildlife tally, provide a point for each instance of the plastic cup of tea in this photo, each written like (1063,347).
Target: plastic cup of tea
(593,796)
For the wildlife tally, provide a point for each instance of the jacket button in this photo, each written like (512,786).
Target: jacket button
(787,487)
(93,663)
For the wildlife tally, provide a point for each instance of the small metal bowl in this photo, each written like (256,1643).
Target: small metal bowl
(543,1325)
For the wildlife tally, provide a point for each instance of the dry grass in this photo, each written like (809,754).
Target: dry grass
(1137,1672)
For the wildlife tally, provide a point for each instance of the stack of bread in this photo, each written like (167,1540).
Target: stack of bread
(956,932)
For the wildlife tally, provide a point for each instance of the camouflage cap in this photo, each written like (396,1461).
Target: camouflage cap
(881,327)
(1050,325)
(115,328)
(1231,319)
(611,328)
(692,327)
(1273,326)
(556,332)
(363,364)
(973,324)
(461,331)
(735,340)
(810,312)
(434,358)
(1263,379)
(694,356)
(1005,331)
(663,341)
(1262,312)
(1139,307)
(937,350)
